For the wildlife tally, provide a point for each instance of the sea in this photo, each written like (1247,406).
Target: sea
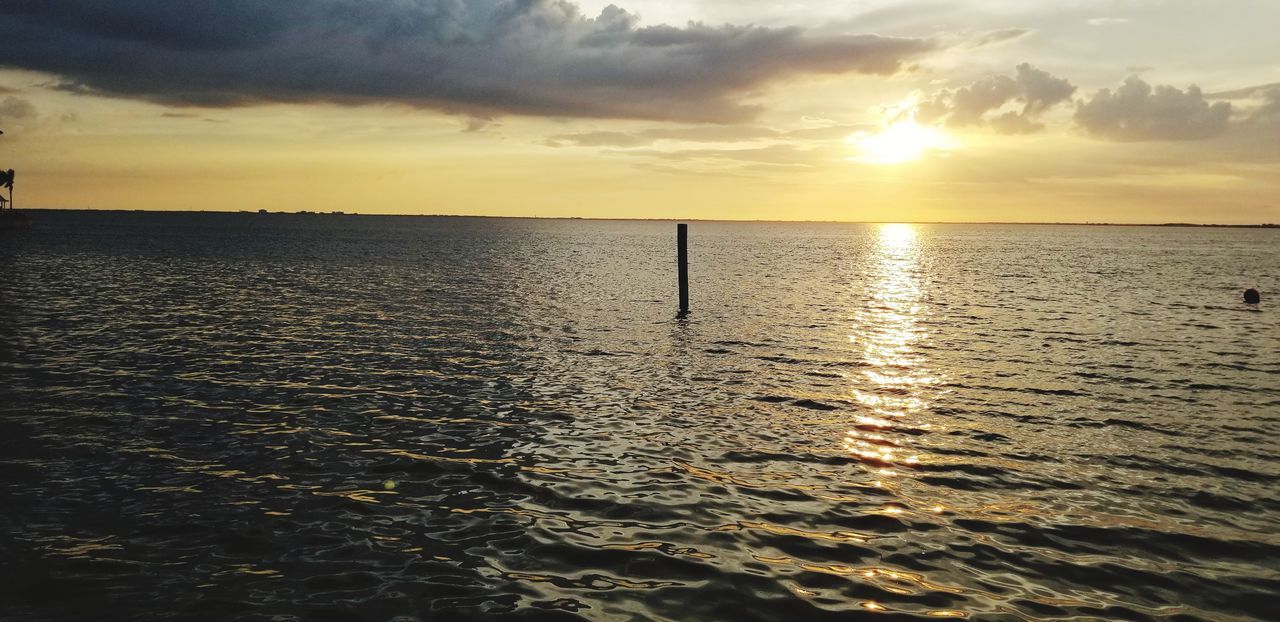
(299,417)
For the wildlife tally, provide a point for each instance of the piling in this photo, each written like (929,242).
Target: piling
(682,260)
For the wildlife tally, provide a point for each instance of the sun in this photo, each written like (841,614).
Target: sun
(903,141)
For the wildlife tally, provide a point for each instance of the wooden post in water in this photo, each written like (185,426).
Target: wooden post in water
(682,259)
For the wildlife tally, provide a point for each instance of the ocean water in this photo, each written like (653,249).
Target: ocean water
(287,417)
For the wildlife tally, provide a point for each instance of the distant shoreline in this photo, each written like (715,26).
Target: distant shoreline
(842,222)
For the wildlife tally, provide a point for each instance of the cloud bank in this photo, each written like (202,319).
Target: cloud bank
(477,57)
(1137,112)
(1032,91)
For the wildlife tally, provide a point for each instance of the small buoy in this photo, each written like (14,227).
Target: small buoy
(1252,296)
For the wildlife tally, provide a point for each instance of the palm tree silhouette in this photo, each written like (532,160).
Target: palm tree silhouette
(6,181)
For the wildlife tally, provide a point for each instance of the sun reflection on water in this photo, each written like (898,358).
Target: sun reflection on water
(888,332)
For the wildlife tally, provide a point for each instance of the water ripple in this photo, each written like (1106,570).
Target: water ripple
(318,418)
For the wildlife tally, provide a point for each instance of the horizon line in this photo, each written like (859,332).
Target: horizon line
(635,219)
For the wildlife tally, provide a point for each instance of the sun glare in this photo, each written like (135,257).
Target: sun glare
(897,235)
(903,141)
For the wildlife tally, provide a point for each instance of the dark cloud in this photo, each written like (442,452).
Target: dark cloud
(476,125)
(476,57)
(1032,90)
(1138,112)
(190,115)
(16,109)
(17,115)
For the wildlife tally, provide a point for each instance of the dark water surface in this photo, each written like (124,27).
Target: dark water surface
(354,418)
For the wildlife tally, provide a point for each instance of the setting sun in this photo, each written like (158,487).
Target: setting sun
(903,141)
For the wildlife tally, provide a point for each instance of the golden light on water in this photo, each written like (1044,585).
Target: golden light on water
(888,332)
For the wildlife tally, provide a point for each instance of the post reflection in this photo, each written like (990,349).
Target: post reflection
(895,380)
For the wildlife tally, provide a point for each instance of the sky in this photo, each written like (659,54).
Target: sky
(852,110)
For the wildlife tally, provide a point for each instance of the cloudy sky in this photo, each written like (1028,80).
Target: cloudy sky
(883,110)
